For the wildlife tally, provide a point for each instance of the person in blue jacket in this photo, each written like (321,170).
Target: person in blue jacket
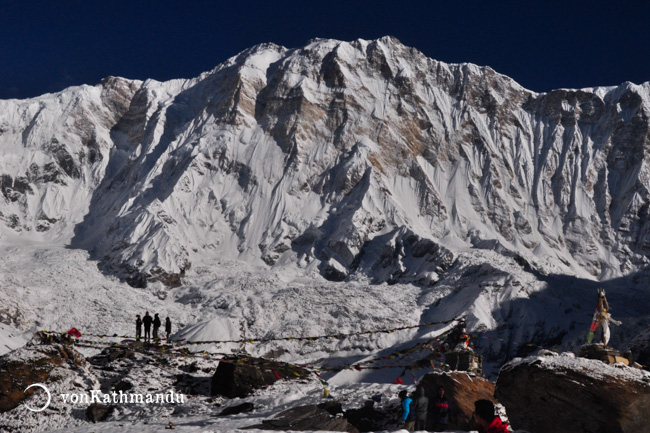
(406,415)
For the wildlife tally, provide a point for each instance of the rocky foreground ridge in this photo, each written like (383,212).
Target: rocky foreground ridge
(362,157)
(548,390)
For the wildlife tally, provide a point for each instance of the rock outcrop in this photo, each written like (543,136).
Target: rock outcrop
(367,418)
(33,364)
(308,418)
(61,370)
(565,394)
(462,390)
(99,412)
(240,408)
(239,377)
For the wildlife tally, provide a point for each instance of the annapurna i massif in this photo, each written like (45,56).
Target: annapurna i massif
(357,158)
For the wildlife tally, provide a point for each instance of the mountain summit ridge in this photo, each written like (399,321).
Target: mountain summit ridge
(350,159)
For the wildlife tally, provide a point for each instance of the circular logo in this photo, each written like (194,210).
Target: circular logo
(49,397)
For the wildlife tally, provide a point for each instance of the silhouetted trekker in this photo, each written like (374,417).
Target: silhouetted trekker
(138,328)
(156,327)
(441,411)
(421,407)
(168,328)
(146,321)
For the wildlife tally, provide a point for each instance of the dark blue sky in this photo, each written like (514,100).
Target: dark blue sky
(46,46)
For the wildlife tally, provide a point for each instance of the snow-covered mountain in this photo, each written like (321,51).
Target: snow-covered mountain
(364,162)
(351,157)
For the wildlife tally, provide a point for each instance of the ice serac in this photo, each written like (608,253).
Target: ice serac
(362,158)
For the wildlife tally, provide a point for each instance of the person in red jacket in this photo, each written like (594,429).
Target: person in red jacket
(441,411)
(487,421)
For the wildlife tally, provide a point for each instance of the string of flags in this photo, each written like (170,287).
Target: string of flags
(405,364)
(176,349)
(266,365)
(74,332)
(227,357)
(339,336)
(363,365)
(408,359)
(416,348)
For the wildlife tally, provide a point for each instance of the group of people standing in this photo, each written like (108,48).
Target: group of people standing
(147,321)
(414,413)
(414,410)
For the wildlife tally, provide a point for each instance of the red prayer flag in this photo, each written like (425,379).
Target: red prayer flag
(74,332)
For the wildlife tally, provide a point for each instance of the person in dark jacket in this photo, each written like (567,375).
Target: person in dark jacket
(168,328)
(138,328)
(146,321)
(441,411)
(156,326)
(486,419)
(421,406)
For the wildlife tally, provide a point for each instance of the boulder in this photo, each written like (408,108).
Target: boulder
(367,418)
(193,385)
(123,385)
(239,377)
(565,394)
(332,406)
(114,353)
(99,412)
(308,418)
(240,408)
(29,365)
(462,390)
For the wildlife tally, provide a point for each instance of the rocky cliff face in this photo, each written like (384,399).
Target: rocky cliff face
(361,157)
